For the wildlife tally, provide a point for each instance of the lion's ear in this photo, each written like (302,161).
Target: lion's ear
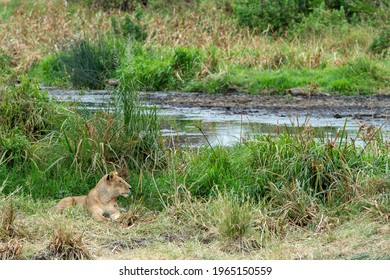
(112,175)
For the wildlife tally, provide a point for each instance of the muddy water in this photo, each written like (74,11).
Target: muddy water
(220,125)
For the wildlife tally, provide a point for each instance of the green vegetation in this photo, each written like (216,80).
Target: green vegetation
(151,39)
(252,200)
(242,197)
(381,44)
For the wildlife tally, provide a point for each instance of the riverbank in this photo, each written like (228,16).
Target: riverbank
(252,200)
(355,107)
(326,52)
(319,106)
(296,193)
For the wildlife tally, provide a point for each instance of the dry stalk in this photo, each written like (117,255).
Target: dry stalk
(66,245)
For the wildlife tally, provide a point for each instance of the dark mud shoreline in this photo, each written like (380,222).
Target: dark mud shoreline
(318,106)
(359,107)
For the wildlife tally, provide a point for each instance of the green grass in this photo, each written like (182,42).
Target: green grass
(181,69)
(164,55)
(257,199)
(61,152)
(360,76)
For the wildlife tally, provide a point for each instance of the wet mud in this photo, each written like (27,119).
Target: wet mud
(377,106)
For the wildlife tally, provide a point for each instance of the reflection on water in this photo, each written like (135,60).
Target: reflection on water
(221,128)
(190,126)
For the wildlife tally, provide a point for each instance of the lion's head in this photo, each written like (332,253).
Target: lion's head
(117,185)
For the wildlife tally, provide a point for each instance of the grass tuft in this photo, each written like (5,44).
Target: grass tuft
(9,229)
(66,245)
(11,250)
(233,216)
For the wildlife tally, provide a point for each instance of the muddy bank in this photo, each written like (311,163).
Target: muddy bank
(377,106)
(318,106)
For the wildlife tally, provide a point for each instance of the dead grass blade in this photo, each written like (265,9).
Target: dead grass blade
(11,250)
(66,245)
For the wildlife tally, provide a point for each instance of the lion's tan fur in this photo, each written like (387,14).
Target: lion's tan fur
(102,199)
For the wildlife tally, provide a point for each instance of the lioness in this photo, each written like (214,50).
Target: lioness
(102,199)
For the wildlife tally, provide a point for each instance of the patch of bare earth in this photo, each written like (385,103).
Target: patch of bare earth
(359,107)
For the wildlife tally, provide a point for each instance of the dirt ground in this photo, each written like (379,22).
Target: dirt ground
(376,106)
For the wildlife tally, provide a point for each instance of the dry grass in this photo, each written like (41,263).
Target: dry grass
(8,228)
(240,46)
(29,34)
(66,245)
(11,235)
(11,249)
(162,236)
(32,33)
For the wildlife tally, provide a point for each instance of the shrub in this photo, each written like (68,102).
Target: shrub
(50,71)
(25,109)
(11,250)
(26,116)
(88,64)
(14,146)
(270,16)
(278,16)
(381,43)
(321,19)
(148,70)
(186,62)
(366,68)
(130,28)
(215,83)
(65,245)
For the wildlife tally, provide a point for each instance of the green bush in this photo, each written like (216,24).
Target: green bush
(25,108)
(14,147)
(148,68)
(268,16)
(156,70)
(187,62)
(320,20)
(214,83)
(50,71)
(26,116)
(278,16)
(88,64)
(381,43)
(364,67)
(130,28)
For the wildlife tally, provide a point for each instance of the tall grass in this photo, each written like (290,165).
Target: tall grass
(88,64)
(300,176)
(140,124)
(70,148)
(233,216)
(214,44)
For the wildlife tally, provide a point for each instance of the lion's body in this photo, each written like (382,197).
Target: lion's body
(102,199)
